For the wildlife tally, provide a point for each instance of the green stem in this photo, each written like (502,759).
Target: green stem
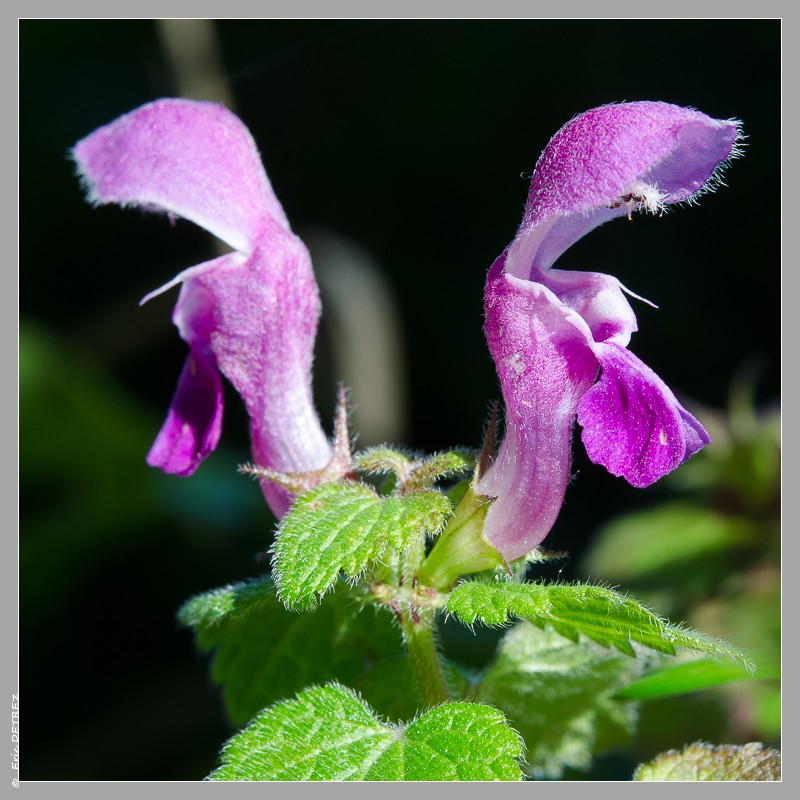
(423,653)
(419,631)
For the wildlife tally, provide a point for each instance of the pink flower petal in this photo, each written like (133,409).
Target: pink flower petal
(251,314)
(544,363)
(632,423)
(192,159)
(548,329)
(194,420)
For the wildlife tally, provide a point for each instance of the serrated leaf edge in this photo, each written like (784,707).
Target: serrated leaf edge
(717,647)
(397,729)
(221,617)
(310,600)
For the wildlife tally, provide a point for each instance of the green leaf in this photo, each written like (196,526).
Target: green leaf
(414,475)
(655,544)
(328,733)
(560,696)
(383,460)
(264,653)
(679,679)
(601,614)
(703,762)
(441,465)
(342,527)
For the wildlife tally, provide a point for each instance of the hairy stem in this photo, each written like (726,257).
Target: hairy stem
(419,633)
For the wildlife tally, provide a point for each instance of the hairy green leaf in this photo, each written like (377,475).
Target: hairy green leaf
(601,614)
(382,460)
(440,465)
(264,653)
(342,527)
(703,762)
(328,733)
(560,696)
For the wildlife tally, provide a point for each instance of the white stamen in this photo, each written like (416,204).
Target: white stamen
(633,294)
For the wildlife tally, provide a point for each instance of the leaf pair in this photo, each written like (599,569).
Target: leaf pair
(328,733)
(569,697)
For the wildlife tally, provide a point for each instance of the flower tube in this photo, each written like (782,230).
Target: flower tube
(251,314)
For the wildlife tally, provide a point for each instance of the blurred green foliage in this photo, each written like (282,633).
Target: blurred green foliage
(86,491)
(709,554)
(108,550)
(560,696)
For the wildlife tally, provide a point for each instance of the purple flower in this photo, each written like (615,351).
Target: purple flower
(250,314)
(552,332)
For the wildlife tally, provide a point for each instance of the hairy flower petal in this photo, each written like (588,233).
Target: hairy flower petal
(192,159)
(550,331)
(544,362)
(612,160)
(604,154)
(632,423)
(252,314)
(194,421)
(265,321)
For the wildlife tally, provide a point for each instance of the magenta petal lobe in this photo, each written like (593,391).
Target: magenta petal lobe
(632,423)
(611,161)
(194,420)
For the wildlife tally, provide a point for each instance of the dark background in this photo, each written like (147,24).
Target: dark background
(411,138)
